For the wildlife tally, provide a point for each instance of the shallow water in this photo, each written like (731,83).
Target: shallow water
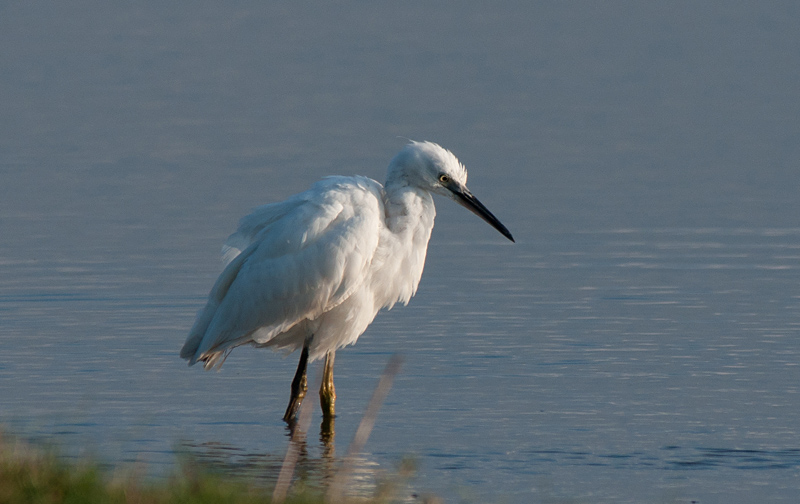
(639,342)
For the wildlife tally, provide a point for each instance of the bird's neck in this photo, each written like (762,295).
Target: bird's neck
(404,245)
(409,212)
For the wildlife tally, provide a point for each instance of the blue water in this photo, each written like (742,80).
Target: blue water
(639,342)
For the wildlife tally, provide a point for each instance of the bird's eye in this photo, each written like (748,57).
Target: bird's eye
(443,178)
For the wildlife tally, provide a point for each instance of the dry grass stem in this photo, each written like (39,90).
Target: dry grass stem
(336,488)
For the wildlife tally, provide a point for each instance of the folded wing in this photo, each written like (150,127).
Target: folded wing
(289,262)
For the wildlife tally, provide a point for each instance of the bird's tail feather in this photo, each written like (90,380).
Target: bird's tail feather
(213,360)
(209,358)
(191,349)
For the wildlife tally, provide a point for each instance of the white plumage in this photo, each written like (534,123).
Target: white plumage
(314,270)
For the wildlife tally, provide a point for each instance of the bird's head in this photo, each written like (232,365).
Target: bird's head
(429,166)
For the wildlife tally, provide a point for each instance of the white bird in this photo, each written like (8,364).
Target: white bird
(312,272)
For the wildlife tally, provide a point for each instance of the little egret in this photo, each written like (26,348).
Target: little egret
(312,272)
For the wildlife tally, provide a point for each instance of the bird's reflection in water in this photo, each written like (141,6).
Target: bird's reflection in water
(308,469)
(314,469)
(327,437)
(354,475)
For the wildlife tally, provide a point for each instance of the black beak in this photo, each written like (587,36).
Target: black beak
(471,203)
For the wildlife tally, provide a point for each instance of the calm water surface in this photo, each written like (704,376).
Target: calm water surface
(639,342)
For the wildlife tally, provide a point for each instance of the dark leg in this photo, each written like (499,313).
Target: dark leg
(327,393)
(299,387)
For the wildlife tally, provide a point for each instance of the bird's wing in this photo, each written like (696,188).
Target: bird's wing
(259,219)
(299,263)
